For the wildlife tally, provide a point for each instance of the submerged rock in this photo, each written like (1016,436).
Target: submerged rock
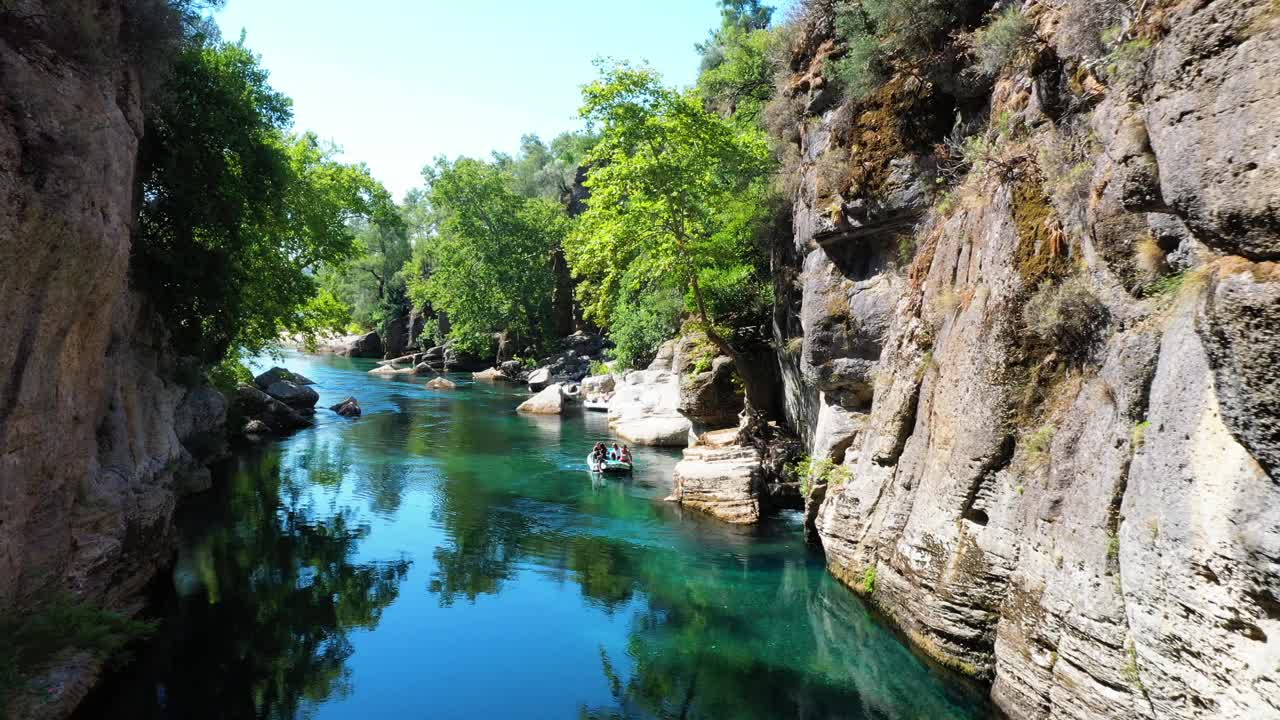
(347,408)
(441,383)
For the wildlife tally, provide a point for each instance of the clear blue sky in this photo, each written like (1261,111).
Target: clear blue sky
(397,82)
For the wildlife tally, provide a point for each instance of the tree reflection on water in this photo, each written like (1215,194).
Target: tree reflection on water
(259,623)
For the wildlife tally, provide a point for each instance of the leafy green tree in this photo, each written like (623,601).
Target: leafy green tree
(736,17)
(541,170)
(643,319)
(668,183)
(490,262)
(237,213)
(371,282)
(742,82)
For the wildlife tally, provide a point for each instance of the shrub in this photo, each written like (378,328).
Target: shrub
(1128,60)
(882,36)
(1067,317)
(599,368)
(227,374)
(810,472)
(1084,23)
(643,320)
(869,580)
(1008,38)
(1140,434)
(1038,444)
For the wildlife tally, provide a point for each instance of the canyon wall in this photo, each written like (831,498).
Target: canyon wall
(1050,388)
(100,429)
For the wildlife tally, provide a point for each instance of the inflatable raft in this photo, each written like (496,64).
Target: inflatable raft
(608,466)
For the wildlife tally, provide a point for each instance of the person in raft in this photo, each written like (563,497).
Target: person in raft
(615,453)
(625,455)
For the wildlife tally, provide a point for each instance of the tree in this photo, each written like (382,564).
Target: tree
(236,212)
(668,183)
(546,171)
(739,17)
(371,282)
(490,263)
(742,82)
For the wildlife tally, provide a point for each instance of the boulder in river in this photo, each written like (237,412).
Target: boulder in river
(657,431)
(597,387)
(347,408)
(277,417)
(276,374)
(489,375)
(390,370)
(442,383)
(293,395)
(721,478)
(548,402)
(367,345)
(538,379)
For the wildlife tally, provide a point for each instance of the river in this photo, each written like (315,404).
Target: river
(444,557)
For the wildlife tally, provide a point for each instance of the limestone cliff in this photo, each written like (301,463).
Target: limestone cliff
(1052,387)
(98,430)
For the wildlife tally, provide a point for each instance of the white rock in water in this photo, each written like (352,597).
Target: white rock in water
(658,431)
(548,402)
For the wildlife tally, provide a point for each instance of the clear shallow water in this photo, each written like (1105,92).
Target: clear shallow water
(444,557)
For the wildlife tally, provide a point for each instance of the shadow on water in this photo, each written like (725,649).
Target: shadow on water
(445,557)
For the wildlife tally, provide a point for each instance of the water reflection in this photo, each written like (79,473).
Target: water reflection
(444,557)
(259,621)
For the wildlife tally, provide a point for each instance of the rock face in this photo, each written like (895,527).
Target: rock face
(711,398)
(550,401)
(1090,525)
(99,431)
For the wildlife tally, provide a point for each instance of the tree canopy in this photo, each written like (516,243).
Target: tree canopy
(490,261)
(676,197)
(237,212)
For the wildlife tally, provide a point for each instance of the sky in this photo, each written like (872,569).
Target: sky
(398,82)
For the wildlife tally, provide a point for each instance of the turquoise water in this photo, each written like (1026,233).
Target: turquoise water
(444,557)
